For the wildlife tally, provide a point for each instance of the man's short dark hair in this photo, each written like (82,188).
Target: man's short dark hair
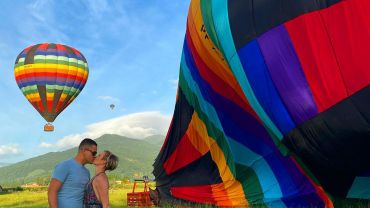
(87,142)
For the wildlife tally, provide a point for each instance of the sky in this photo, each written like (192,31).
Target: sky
(133,49)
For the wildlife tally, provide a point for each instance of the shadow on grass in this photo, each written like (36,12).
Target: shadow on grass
(351,203)
(338,203)
(27,204)
(10,190)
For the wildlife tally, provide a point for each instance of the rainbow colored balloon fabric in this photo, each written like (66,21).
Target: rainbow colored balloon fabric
(50,76)
(272,105)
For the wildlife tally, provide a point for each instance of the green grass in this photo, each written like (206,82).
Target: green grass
(37,198)
(29,199)
(32,199)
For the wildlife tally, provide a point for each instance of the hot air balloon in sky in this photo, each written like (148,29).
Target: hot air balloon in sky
(111,106)
(272,105)
(50,76)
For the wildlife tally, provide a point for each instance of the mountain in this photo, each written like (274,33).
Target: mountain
(155,139)
(136,159)
(4,164)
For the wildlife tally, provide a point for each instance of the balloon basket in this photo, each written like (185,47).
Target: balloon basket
(48,127)
(139,199)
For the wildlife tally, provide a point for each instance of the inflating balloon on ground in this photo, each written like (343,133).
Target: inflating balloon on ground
(272,105)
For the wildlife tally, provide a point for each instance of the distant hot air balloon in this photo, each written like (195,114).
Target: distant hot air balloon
(50,76)
(112,106)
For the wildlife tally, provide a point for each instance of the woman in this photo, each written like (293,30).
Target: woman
(97,190)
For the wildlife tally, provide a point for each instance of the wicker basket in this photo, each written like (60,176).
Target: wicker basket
(48,127)
(139,199)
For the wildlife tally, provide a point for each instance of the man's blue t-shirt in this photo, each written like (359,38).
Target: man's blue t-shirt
(74,177)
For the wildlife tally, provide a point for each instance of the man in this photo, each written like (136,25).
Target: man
(68,182)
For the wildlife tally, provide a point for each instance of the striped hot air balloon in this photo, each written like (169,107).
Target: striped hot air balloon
(50,76)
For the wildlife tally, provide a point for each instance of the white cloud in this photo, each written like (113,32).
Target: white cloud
(136,125)
(71,140)
(45,145)
(7,150)
(108,98)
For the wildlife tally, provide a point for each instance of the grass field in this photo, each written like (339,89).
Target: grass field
(37,198)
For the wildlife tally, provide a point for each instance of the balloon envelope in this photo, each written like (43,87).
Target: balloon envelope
(50,76)
(272,106)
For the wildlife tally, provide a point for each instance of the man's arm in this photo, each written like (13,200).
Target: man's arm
(53,189)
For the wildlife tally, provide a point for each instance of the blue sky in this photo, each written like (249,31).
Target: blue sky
(133,48)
